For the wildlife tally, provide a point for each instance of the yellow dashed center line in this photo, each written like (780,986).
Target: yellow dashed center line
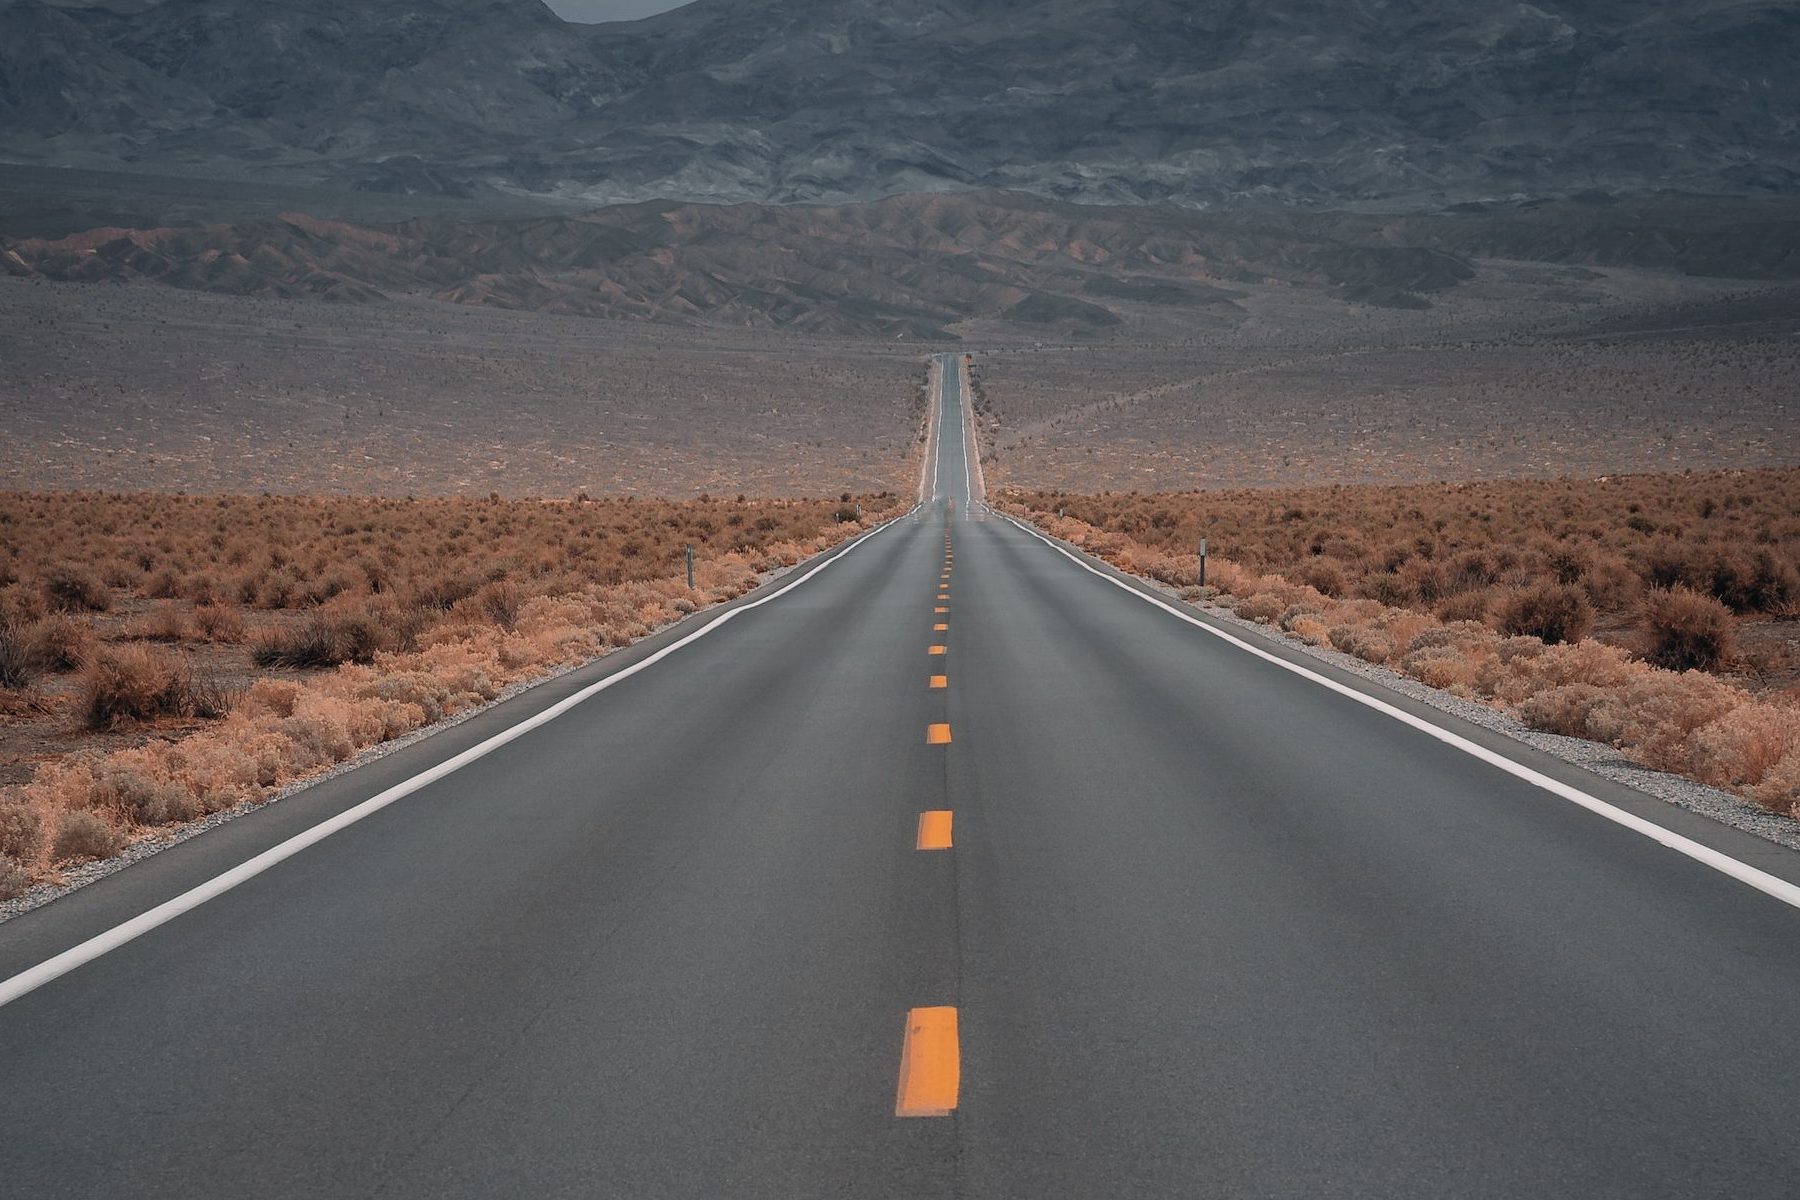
(940,681)
(935,650)
(937,735)
(930,1064)
(940,609)
(934,829)
(939,627)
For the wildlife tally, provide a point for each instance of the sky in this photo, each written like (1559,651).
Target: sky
(610,10)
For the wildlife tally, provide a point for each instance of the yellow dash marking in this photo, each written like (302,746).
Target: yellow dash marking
(937,735)
(940,609)
(935,650)
(934,829)
(930,1064)
(943,595)
(940,681)
(939,627)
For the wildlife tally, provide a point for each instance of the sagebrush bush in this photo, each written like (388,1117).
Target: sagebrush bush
(20,663)
(71,587)
(22,834)
(1655,713)
(1565,709)
(1684,630)
(81,834)
(63,642)
(217,622)
(164,623)
(128,786)
(1550,612)
(1739,749)
(134,683)
(321,639)
(14,878)
(1780,788)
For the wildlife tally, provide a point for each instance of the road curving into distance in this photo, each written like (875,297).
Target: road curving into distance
(957,869)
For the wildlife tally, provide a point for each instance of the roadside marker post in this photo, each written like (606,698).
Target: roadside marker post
(690,566)
(1202,563)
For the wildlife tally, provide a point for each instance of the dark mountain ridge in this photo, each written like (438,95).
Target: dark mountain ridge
(1400,105)
(922,266)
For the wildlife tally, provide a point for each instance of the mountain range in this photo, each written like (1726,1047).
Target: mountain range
(1392,105)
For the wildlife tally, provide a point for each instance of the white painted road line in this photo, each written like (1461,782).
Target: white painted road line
(32,978)
(1762,881)
(933,438)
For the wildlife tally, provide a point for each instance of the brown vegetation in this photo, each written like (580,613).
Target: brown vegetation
(253,641)
(1490,590)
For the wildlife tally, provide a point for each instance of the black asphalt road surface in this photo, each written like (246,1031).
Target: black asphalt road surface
(1210,930)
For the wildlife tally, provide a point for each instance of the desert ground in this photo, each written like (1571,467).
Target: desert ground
(1527,371)
(146,387)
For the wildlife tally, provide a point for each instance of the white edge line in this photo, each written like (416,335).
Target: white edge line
(968,419)
(931,439)
(962,421)
(1761,880)
(32,978)
(937,435)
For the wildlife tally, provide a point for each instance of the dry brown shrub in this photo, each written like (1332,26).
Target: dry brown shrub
(1565,709)
(64,643)
(1465,606)
(20,661)
(165,623)
(318,740)
(1684,630)
(1739,749)
(1780,788)
(275,697)
(22,834)
(1311,630)
(1228,576)
(1518,675)
(134,683)
(70,587)
(82,834)
(14,878)
(321,639)
(215,622)
(21,606)
(1295,613)
(1324,573)
(1550,612)
(1442,667)
(1370,645)
(1654,715)
(1263,607)
(130,786)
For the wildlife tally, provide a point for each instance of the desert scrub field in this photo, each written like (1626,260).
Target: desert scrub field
(165,657)
(1657,613)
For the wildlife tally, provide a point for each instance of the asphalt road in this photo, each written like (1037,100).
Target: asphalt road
(1207,927)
